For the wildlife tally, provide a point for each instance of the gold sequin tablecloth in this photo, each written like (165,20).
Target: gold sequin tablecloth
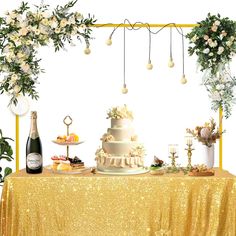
(50,204)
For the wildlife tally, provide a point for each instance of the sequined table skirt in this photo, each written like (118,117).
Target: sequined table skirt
(50,204)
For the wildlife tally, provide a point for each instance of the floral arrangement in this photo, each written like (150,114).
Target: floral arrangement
(137,151)
(214,42)
(119,112)
(22,31)
(107,138)
(206,134)
(5,153)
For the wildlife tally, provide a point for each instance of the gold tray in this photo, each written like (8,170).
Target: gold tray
(68,172)
(205,173)
(67,143)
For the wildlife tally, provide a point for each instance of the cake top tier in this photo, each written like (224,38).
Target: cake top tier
(119,112)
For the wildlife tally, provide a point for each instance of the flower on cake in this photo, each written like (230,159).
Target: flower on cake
(206,134)
(120,112)
(100,153)
(107,138)
(137,151)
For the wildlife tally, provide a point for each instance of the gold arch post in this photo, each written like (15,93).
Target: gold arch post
(138,26)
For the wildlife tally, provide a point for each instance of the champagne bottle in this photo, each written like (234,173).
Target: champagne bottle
(34,159)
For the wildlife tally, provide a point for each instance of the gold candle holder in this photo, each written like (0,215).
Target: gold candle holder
(173,150)
(189,149)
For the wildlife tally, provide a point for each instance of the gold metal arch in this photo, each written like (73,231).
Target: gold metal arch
(140,26)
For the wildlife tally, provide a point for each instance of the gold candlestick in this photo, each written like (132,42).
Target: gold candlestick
(189,153)
(173,150)
(173,157)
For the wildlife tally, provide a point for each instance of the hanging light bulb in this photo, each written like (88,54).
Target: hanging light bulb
(124,89)
(87,51)
(149,65)
(109,42)
(183,80)
(171,64)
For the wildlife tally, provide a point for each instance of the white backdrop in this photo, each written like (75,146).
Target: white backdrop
(86,86)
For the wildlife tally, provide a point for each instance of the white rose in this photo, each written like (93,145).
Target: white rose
(14,78)
(9,20)
(71,21)
(206,50)
(206,37)
(218,86)
(194,38)
(13,15)
(23,31)
(29,42)
(63,23)
(25,67)
(217,22)
(220,50)
(211,54)
(232,38)
(24,24)
(16,89)
(53,24)
(229,43)
(45,21)
(20,55)
(37,32)
(215,96)
(46,14)
(222,86)
(57,30)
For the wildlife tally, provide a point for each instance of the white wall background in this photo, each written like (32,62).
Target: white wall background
(85,87)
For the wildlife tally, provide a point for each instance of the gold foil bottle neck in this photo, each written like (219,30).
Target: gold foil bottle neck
(33,114)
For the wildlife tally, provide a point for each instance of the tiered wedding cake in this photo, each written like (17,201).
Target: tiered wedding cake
(120,152)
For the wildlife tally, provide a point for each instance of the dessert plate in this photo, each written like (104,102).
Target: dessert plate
(137,172)
(70,172)
(67,143)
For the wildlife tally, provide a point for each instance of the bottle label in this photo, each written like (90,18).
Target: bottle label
(34,161)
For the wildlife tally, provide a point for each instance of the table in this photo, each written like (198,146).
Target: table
(50,204)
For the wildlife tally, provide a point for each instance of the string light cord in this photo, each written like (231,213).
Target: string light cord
(124,54)
(171,57)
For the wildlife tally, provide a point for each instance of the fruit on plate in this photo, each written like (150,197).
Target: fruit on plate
(72,138)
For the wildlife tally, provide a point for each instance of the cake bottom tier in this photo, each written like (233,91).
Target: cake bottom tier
(120,164)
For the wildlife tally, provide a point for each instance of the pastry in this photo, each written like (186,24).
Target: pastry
(56,161)
(76,163)
(64,166)
(72,138)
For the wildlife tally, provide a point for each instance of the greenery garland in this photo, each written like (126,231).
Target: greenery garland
(22,31)
(214,43)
